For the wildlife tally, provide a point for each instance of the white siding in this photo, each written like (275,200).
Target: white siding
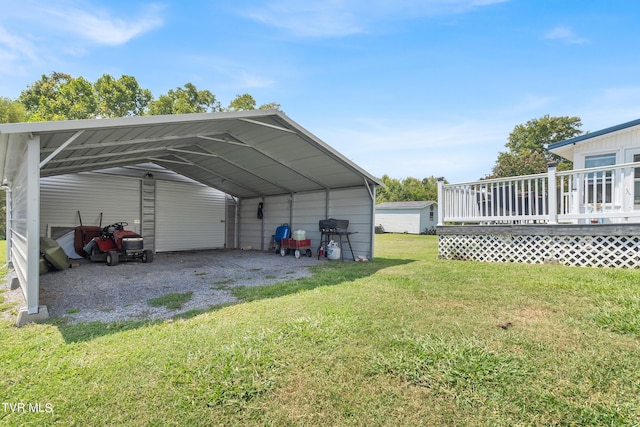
(17,227)
(117,198)
(425,221)
(189,216)
(308,211)
(256,233)
(399,221)
(303,212)
(616,142)
(355,205)
(623,144)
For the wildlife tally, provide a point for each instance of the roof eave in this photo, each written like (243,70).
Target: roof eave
(590,135)
(90,124)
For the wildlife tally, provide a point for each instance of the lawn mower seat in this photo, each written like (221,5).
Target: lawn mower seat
(108,230)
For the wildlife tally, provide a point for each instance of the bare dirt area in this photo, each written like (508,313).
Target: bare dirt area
(97,292)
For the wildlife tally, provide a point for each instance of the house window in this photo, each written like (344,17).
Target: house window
(599,183)
(432,216)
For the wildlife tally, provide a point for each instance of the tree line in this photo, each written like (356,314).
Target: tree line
(59,96)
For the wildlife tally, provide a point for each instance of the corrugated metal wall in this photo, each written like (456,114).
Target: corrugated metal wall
(17,227)
(185,215)
(117,198)
(354,204)
(189,216)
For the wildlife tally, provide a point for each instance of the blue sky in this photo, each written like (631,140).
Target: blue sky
(402,87)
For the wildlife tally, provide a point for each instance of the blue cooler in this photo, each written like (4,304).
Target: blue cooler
(282,232)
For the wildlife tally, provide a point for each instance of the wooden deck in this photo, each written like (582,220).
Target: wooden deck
(626,229)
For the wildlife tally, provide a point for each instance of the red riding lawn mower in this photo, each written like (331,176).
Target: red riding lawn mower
(116,244)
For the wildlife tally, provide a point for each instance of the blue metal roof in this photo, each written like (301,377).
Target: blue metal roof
(593,134)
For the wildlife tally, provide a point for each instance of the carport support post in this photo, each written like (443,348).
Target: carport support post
(32,293)
(262,227)
(440,201)
(553,195)
(33,224)
(291,210)
(7,227)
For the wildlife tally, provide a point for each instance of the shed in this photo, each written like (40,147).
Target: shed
(256,159)
(407,217)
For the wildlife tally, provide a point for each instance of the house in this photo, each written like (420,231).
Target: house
(191,181)
(589,216)
(407,217)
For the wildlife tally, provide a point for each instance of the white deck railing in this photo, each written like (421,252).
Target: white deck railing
(594,195)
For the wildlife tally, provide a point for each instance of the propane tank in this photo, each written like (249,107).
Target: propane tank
(321,251)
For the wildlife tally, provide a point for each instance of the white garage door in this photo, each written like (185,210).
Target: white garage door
(188,216)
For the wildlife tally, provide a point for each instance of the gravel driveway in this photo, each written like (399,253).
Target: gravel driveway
(95,291)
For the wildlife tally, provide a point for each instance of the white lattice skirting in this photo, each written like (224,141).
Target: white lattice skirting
(579,251)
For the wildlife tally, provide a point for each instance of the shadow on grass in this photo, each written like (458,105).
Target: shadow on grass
(328,274)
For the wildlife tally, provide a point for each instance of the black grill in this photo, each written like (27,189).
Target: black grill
(333,225)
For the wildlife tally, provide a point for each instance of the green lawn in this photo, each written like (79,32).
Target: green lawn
(404,340)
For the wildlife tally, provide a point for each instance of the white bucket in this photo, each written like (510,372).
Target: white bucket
(299,235)
(333,252)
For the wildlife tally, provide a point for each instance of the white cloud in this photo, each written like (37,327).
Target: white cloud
(565,34)
(13,45)
(332,18)
(102,26)
(250,80)
(33,34)
(338,18)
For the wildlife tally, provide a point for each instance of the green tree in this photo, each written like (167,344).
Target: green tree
(242,102)
(431,188)
(528,146)
(59,96)
(120,97)
(246,102)
(41,99)
(269,106)
(187,99)
(75,100)
(11,111)
(390,192)
(517,164)
(407,190)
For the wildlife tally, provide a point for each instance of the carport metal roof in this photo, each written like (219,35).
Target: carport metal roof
(245,154)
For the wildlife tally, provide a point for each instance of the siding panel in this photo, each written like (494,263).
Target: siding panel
(117,198)
(308,209)
(189,216)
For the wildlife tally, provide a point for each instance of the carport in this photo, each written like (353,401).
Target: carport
(261,158)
